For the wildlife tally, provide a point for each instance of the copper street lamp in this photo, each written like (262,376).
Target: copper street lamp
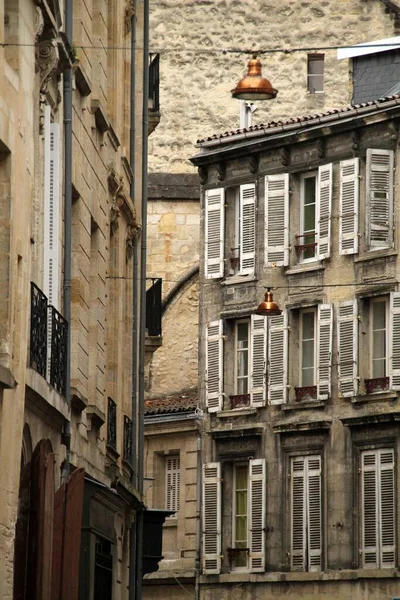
(254,86)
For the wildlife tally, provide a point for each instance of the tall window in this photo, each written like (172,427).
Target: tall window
(307,217)
(172,482)
(240,514)
(378,509)
(307,342)
(379,338)
(242,336)
(315,73)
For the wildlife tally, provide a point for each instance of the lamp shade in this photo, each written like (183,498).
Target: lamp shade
(254,86)
(268,308)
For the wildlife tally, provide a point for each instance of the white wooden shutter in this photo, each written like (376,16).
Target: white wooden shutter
(298,515)
(379,198)
(214,233)
(212,518)
(314,521)
(277,359)
(258,382)
(51,210)
(257,515)
(277,220)
(348,212)
(348,348)
(378,509)
(247,229)
(172,482)
(214,366)
(324,351)
(394,341)
(324,203)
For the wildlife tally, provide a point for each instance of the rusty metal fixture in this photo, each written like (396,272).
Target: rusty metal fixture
(268,308)
(254,86)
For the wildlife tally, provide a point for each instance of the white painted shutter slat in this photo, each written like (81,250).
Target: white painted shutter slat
(324,204)
(314,522)
(348,211)
(214,233)
(379,198)
(387,505)
(394,341)
(247,229)
(212,518)
(172,483)
(257,515)
(214,366)
(258,360)
(298,515)
(277,359)
(369,506)
(348,348)
(324,351)
(277,220)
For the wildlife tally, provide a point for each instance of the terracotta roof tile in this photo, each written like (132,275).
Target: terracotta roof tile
(175,403)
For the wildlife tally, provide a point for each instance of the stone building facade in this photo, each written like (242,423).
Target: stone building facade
(300,432)
(44,440)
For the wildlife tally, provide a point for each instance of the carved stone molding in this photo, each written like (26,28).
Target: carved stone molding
(221,168)
(129,12)
(47,58)
(254,159)
(285,157)
(39,23)
(321,148)
(114,216)
(133,232)
(115,182)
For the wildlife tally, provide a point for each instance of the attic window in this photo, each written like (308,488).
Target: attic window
(315,73)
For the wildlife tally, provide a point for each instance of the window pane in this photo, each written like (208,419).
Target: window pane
(241,477)
(309,190)
(242,335)
(379,315)
(308,325)
(243,386)
(242,363)
(308,354)
(308,348)
(308,378)
(379,368)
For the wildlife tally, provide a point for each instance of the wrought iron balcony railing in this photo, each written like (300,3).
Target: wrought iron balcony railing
(58,349)
(112,424)
(154,306)
(38,337)
(128,448)
(154,83)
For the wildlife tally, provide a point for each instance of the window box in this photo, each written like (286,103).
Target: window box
(239,400)
(306,393)
(378,384)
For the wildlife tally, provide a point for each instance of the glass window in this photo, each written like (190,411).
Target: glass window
(242,357)
(240,525)
(307,237)
(379,338)
(307,353)
(315,73)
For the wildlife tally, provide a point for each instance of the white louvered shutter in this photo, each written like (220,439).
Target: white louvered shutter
(212,518)
(258,360)
(379,198)
(348,212)
(172,483)
(298,515)
(214,366)
(348,348)
(277,359)
(324,351)
(324,204)
(247,229)
(214,233)
(257,515)
(394,341)
(378,509)
(314,521)
(277,220)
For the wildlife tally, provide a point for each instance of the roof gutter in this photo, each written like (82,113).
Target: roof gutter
(168,417)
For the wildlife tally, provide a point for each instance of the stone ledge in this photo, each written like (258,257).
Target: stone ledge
(305,426)
(238,412)
(7,381)
(82,81)
(99,116)
(304,405)
(375,254)
(45,396)
(279,576)
(96,416)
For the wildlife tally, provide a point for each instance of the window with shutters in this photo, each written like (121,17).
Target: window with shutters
(306,240)
(240,524)
(374,369)
(242,338)
(379,198)
(306,513)
(377,509)
(172,483)
(240,230)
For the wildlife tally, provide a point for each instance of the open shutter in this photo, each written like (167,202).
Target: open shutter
(324,211)
(277,220)
(212,518)
(324,351)
(387,508)
(172,469)
(214,233)
(348,348)
(314,521)
(51,209)
(369,507)
(394,340)
(379,198)
(259,360)
(247,229)
(257,515)
(298,515)
(277,359)
(348,215)
(214,366)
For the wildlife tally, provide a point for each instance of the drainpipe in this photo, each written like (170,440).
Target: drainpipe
(67,231)
(142,328)
(198,517)
(135,293)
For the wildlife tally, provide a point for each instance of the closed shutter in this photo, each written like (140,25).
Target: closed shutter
(172,483)
(378,509)
(277,359)
(257,515)
(324,351)
(348,348)
(379,198)
(324,204)
(214,233)
(247,229)
(298,515)
(277,220)
(259,360)
(314,521)
(211,518)
(214,366)
(348,215)
(394,340)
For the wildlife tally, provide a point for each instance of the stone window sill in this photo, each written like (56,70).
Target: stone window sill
(311,404)
(375,397)
(235,279)
(305,268)
(171,522)
(375,254)
(237,412)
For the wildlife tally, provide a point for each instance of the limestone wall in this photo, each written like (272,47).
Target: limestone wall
(194,93)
